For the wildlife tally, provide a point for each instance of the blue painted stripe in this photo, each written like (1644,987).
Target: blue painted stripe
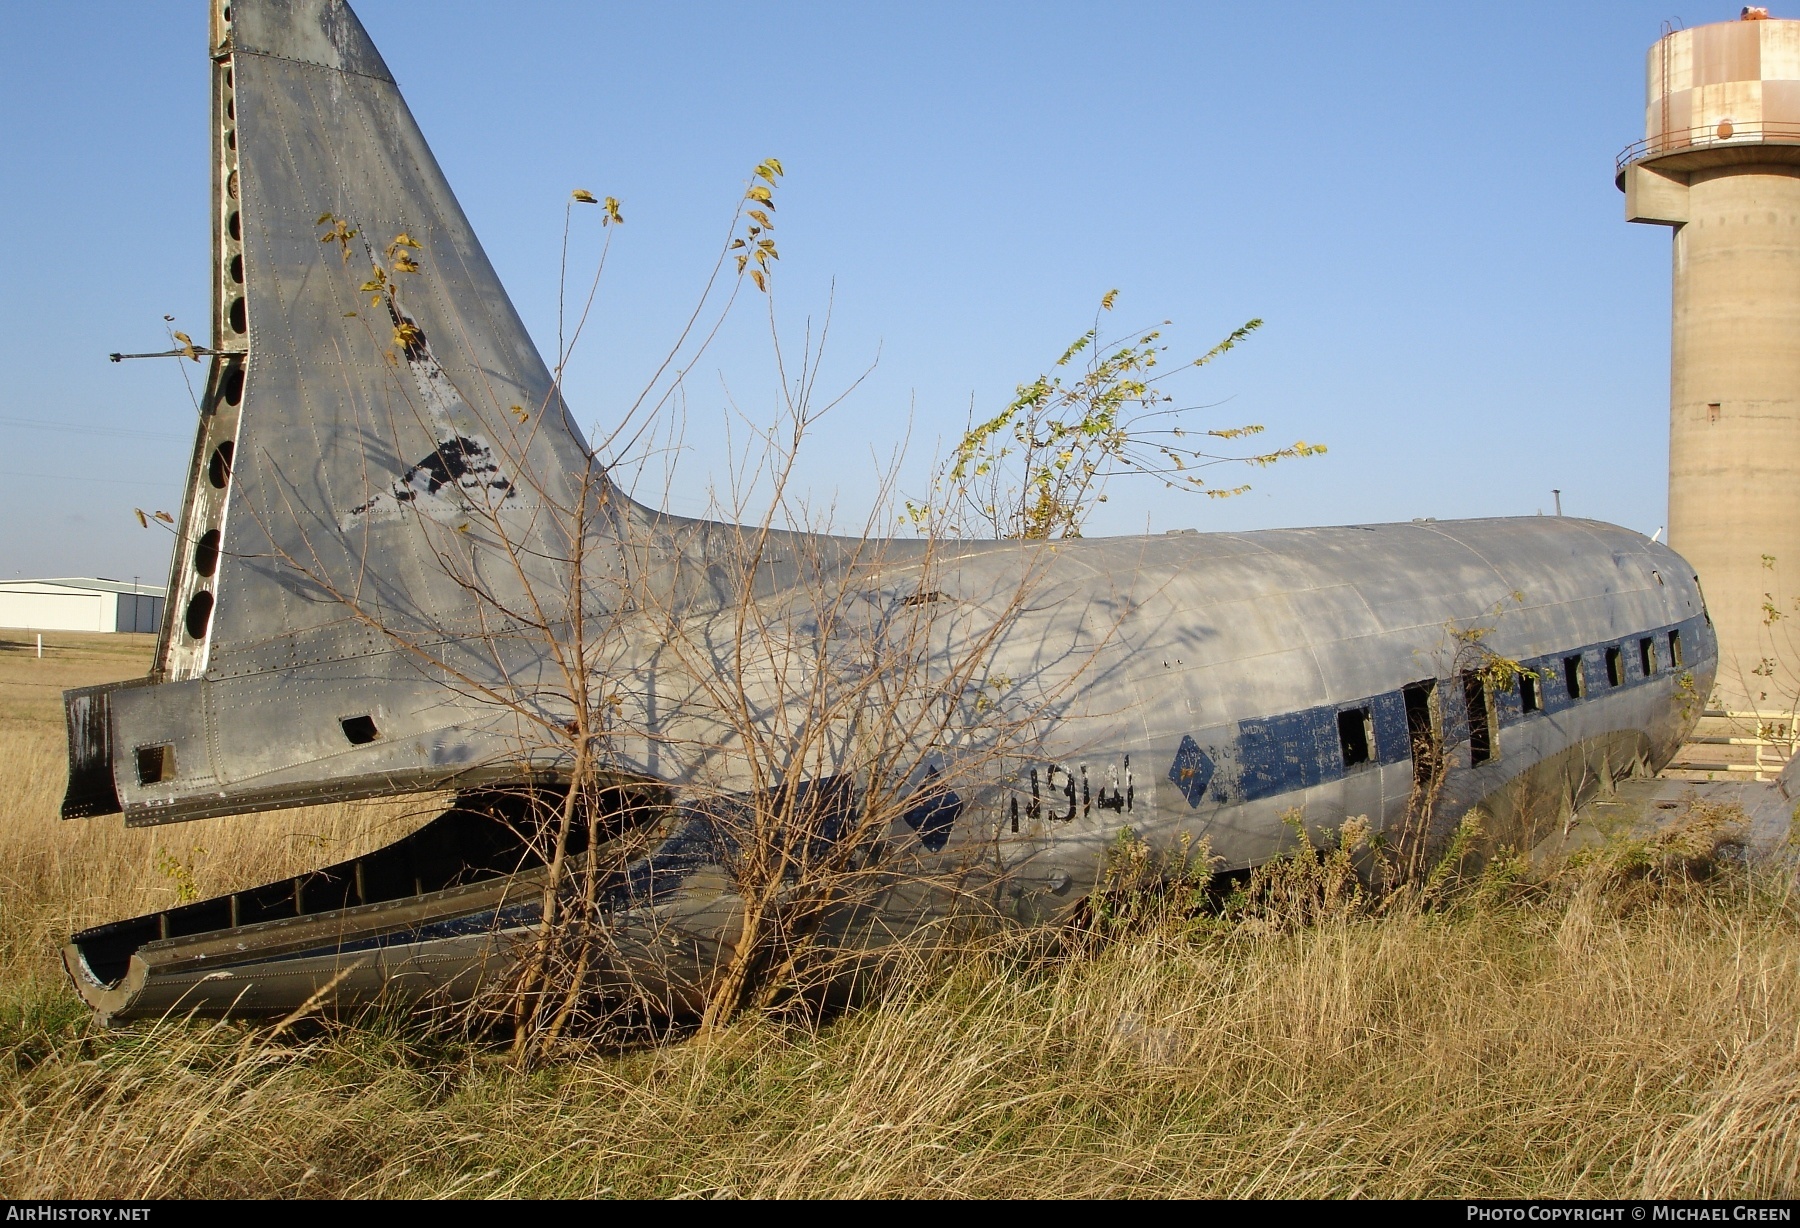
(1297,750)
(1282,753)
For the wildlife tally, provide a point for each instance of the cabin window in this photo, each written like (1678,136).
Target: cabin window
(1572,676)
(1615,667)
(1675,649)
(1353,736)
(360,730)
(1481,718)
(155,764)
(1421,729)
(1712,411)
(1529,698)
(1647,655)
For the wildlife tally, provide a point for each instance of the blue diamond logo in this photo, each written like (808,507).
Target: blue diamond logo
(1191,771)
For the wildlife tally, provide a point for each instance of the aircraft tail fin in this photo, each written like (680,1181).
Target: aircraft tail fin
(377,421)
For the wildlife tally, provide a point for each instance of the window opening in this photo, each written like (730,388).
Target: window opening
(206,553)
(1615,667)
(155,764)
(360,730)
(218,470)
(1712,411)
(1675,649)
(1353,735)
(1647,655)
(1481,718)
(199,614)
(1529,698)
(1572,676)
(1421,729)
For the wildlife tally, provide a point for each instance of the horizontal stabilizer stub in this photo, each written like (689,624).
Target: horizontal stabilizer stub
(91,791)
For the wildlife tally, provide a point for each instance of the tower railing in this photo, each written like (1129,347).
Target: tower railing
(1710,136)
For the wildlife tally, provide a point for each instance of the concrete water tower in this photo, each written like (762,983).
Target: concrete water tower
(1720,163)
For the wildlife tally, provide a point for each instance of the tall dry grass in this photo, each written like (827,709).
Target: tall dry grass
(1623,1029)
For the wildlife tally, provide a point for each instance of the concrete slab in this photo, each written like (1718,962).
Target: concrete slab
(1641,806)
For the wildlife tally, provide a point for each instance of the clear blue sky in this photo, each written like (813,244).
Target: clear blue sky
(1418,199)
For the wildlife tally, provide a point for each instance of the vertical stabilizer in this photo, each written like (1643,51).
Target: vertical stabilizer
(374,394)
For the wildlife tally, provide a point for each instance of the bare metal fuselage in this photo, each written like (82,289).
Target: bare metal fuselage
(318,646)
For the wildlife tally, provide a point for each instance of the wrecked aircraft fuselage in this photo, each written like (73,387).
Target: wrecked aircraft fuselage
(375,477)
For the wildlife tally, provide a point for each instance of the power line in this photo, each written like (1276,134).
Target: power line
(59,477)
(82,428)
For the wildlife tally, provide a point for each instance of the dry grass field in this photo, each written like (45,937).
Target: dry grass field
(1597,1032)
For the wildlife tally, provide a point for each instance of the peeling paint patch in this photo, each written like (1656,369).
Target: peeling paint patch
(933,817)
(442,484)
(461,472)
